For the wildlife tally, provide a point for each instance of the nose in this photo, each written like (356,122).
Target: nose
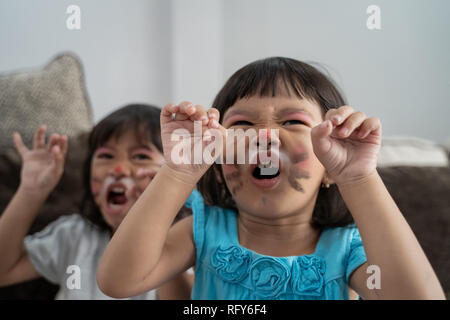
(268,137)
(121,169)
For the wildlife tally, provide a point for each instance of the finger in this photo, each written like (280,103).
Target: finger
(214,116)
(213,113)
(338,116)
(350,124)
(200,115)
(54,140)
(167,111)
(187,108)
(18,143)
(320,137)
(370,125)
(59,158)
(63,144)
(39,137)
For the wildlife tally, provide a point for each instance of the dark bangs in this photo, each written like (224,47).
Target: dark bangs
(272,76)
(143,119)
(269,78)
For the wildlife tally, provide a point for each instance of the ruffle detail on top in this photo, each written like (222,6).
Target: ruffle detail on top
(270,277)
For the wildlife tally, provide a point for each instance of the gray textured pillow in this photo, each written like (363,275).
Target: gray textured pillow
(54,95)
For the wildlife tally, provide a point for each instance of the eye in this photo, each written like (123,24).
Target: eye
(104,155)
(294,121)
(242,123)
(141,156)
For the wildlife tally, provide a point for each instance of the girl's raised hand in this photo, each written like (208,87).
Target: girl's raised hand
(183,129)
(43,165)
(347,144)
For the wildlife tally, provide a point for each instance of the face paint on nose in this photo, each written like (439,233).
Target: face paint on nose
(118,169)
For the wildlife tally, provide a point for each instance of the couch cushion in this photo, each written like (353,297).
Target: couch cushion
(54,95)
(422,194)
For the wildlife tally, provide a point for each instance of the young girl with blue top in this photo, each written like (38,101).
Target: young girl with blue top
(307,227)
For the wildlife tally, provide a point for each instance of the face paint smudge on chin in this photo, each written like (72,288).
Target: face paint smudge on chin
(264,201)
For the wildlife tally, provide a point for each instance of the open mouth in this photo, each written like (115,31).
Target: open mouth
(116,195)
(265,176)
(262,172)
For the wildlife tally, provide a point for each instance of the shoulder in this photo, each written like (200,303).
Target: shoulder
(341,238)
(59,244)
(67,227)
(342,249)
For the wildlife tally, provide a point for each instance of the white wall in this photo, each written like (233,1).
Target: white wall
(400,73)
(158,51)
(124,45)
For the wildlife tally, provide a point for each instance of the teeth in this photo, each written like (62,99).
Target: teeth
(118,190)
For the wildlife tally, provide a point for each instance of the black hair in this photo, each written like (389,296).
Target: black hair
(144,120)
(267,78)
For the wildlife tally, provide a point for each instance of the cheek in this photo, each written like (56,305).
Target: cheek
(97,177)
(304,165)
(301,160)
(96,186)
(228,169)
(232,176)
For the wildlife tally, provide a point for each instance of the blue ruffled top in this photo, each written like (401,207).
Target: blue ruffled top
(225,270)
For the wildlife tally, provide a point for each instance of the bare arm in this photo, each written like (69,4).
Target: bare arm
(347,144)
(177,289)
(41,170)
(389,243)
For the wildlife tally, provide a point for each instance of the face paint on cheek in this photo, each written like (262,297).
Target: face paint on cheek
(96,186)
(299,170)
(299,157)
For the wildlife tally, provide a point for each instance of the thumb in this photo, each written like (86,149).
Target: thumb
(320,137)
